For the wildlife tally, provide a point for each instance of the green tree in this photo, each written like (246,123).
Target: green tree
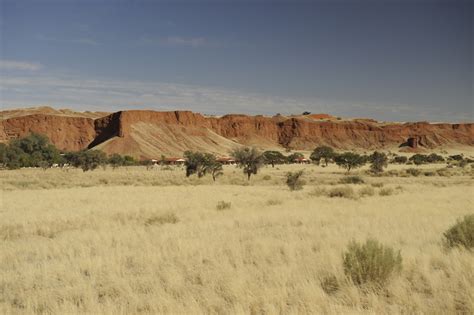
(200,163)
(88,160)
(349,160)
(249,159)
(129,160)
(378,161)
(419,159)
(324,153)
(294,156)
(434,158)
(116,160)
(273,157)
(215,169)
(400,160)
(34,150)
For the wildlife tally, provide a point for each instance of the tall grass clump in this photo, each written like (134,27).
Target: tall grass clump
(341,192)
(461,234)
(294,181)
(413,172)
(370,263)
(223,205)
(366,191)
(351,180)
(170,218)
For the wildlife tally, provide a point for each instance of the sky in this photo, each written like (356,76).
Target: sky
(389,60)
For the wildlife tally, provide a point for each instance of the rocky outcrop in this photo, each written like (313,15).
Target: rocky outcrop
(67,133)
(184,128)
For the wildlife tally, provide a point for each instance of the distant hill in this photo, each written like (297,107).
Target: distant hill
(149,134)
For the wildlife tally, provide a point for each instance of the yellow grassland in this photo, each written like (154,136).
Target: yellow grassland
(131,241)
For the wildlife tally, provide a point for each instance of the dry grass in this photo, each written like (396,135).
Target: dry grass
(153,242)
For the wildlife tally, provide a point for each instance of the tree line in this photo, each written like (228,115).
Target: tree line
(36,150)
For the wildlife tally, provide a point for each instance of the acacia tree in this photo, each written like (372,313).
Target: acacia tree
(378,161)
(294,156)
(201,164)
(215,168)
(115,160)
(273,157)
(88,160)
(349,160)
(249,159)
(324,153)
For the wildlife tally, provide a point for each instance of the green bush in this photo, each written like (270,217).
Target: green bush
(399,160)
(223,205)
(461,233)
(351,180)
(370,263)
(294,181)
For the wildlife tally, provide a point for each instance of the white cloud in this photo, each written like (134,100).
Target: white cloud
(19,65)
(178,41)
(112,95)
(81,40)
(78,93)
(181,41)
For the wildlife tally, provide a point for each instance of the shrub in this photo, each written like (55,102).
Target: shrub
(366,191)
(162,219)
(341,192)
(413,171)
(399,160)
(419,159)
(386,192)
(351,180)
(223,205)
(274,202)
(457,157)
(377,185)
(429,173)
(371,262)
(318,192)
(435,158)
(267,177)
(294,181)
(461,233)
(329,284)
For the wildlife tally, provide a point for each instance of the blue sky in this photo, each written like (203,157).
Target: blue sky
(390,60)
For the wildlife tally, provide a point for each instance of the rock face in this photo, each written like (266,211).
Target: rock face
(67,133)
(146,134)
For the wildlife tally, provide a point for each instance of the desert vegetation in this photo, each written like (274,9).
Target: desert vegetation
(130,239)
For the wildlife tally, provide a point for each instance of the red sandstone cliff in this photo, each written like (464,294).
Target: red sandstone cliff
(149,133)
